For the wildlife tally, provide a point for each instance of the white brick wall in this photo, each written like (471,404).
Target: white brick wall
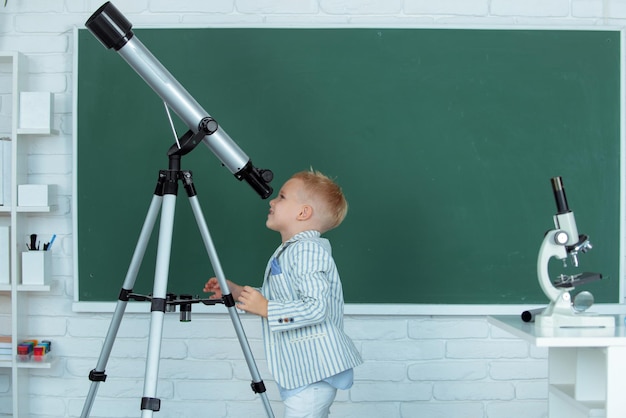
(415,366)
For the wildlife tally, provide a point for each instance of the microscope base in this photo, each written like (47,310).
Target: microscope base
(575,320)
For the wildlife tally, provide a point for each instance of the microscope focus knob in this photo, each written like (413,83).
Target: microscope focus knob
(561,237)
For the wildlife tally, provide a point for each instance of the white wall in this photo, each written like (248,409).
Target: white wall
(415,365)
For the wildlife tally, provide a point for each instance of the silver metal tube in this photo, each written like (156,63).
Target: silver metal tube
(181,102)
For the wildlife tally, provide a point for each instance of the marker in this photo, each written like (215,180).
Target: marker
(54,236)
(529,316)
(33,242)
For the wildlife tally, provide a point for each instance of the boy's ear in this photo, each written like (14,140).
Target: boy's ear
(305,213)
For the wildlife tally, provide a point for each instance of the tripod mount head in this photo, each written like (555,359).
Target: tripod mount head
(172,301)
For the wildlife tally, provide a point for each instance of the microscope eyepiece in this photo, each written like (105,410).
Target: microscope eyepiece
(559,195)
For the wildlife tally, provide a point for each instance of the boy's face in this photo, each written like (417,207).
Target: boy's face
(285,208)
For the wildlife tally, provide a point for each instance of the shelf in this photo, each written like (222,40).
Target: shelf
(33,287)
(27,209)
(33,209)
(591,409)
(32,122)
(46,363)
(36,131)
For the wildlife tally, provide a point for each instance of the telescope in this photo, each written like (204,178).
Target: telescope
(114,31)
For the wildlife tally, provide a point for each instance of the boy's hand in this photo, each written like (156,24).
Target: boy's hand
(251,300)
(213,286)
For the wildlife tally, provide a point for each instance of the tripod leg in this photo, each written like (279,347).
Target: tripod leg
(97,375)
(149,401)
(257,384)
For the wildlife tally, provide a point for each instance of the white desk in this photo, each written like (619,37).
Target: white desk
(586,367)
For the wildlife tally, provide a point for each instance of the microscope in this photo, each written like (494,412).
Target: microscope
(561,242)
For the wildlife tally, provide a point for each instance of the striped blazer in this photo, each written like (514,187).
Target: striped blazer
(303,332)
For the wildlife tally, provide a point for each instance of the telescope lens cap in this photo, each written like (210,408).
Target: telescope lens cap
(110,27)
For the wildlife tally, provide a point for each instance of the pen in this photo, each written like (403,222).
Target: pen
(54,236)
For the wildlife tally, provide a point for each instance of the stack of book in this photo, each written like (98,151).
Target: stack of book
(5,347)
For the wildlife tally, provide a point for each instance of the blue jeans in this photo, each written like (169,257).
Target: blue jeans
(312,402)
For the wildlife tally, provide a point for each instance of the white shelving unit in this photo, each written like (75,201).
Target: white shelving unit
(586,366)
(13,66)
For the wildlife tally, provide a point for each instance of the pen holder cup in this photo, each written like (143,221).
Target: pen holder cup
(36,267)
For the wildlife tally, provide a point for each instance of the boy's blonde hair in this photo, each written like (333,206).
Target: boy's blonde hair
(321,188)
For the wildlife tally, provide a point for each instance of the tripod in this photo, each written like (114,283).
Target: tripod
(165,198)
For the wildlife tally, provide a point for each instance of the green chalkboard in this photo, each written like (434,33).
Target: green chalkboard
(444,142)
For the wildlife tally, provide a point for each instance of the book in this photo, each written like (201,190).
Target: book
(6,351)
(5,171)
(5,245)
(5,347)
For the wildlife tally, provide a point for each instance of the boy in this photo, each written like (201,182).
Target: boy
(301,301)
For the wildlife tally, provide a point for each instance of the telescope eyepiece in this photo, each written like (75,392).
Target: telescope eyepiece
(257,178)
(110,27)
(185,308)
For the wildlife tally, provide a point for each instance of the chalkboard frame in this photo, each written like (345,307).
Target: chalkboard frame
(385,307)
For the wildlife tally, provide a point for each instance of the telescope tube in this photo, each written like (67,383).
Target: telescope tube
(113,30)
